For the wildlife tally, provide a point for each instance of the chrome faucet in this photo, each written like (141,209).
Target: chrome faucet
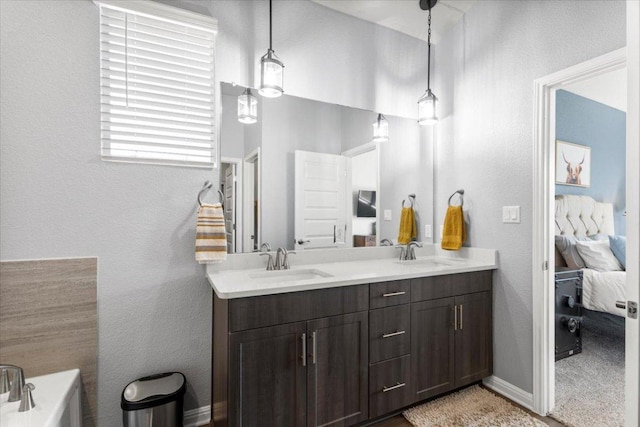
(17,382)
(402,252)
(411,253)
(17,389)
(284,264)
(265,246)
(269,260)
(386,242)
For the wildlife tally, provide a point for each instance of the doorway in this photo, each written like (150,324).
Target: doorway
(232,190)
(589,178)
(251,199)
(544,226)
(364,189)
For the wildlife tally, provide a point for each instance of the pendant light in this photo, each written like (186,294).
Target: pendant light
(271,69)
(381,129)
(427,103)
(247,107)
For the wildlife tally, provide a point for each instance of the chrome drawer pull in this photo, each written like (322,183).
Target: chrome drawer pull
(393,334)
(398,385)
(394,294)
(304,349)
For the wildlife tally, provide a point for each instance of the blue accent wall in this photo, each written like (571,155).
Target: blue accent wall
(582,121)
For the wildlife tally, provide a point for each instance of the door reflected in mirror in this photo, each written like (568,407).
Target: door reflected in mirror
(308,175)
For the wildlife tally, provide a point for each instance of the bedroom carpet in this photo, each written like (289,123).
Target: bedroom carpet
(472,407)
(590,385)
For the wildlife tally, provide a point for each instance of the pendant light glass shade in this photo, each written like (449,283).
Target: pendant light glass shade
(247,107)
(427,109)
(427,102)
(271,75)
(381,129)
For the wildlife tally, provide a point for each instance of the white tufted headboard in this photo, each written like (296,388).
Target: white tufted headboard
(583,216)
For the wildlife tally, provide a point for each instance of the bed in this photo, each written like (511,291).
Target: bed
(582,219)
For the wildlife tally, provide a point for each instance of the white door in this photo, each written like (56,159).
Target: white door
(632,370)
(320,200)
(230,207)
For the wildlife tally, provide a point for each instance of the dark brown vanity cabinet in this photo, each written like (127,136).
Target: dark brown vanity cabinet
(342,356)
(451,341)
(305,373)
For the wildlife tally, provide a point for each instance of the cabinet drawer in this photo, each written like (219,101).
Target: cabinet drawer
(435,287)
(268,310)
(386,294)
(389,332)
(389,386)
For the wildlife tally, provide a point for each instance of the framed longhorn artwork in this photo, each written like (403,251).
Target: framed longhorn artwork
(573,164)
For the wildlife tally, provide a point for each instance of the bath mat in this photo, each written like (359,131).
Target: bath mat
(471,407)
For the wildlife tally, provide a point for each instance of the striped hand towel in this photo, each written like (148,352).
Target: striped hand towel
(211,237)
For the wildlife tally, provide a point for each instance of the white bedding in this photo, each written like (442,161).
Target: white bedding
(601,290)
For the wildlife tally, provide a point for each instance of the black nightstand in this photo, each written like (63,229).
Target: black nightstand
(568,312)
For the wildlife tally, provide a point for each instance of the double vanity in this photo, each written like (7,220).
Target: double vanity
(347,336)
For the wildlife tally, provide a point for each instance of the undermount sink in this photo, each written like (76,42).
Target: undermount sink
(278,276)
(430,262)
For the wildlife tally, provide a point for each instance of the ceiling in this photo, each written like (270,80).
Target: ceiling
(609,89)
(404,16)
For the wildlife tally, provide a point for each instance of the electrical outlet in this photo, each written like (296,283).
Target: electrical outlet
(427,230)
(387,214)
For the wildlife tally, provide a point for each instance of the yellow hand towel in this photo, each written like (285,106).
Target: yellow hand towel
(211,236)
(408,230)
(454,233)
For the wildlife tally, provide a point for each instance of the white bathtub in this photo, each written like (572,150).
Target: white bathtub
(57,399)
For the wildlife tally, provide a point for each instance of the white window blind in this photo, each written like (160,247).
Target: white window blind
(157,84)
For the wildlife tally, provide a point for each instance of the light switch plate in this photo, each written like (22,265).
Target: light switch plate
(511,214)
(427,230)
(387,214)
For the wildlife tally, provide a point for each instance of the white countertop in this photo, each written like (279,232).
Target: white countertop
(51,395)
(245,275)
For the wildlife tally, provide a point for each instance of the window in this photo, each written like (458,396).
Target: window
(157,85)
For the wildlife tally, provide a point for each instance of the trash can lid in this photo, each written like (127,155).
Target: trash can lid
(153,390)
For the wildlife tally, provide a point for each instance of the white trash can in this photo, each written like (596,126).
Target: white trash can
(154,401)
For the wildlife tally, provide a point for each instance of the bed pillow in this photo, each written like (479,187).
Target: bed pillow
(566,244)
(618,245)
(598,256)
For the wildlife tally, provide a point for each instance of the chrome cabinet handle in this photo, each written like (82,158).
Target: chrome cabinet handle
(621,304)
(393,294)
(461,316)
(304,349)
(334,234)
(394,387)
(313,347)
(393,334)
(455,317)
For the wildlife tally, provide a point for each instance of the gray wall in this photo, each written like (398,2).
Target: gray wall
(59,199)
(484,72)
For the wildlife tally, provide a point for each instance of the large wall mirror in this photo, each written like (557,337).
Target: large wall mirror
(308,175)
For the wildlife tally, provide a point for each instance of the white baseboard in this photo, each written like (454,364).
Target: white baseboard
(510,391)
(197,417)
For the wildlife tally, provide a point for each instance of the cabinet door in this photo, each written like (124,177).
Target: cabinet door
(337,370)
(432,347)
(474,346)
(267,379)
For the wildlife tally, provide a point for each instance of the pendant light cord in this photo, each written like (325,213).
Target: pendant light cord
(429,53)
(270,27)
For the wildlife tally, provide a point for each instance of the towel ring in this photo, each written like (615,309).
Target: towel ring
(412,199)
(207,185)
(460,193)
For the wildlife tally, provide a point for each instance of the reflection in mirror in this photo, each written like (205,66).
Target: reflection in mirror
(308,175)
